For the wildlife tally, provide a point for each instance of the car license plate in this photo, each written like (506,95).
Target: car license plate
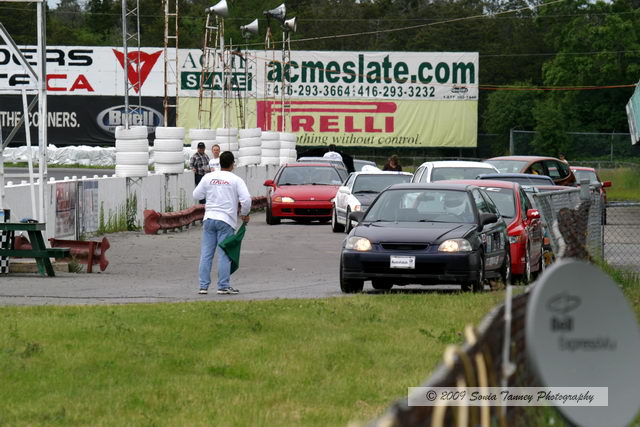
(408,262)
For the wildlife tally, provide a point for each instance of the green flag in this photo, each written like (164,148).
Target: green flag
(231,246)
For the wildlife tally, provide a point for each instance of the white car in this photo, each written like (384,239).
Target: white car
(357,193)
(451,169)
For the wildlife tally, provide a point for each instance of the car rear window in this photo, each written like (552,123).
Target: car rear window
(586,175)
(444,174)
(305,175)
(377,183)
(508,166)
(542,180)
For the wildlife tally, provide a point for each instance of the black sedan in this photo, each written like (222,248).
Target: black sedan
(426,234)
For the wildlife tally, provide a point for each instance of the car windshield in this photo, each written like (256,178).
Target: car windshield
(586,176)
(421,205)
(443,174)
(540,180)
(504,200)
(309,175)
(508,166)
(377,183)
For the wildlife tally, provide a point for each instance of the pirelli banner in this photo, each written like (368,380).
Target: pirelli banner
(346,98)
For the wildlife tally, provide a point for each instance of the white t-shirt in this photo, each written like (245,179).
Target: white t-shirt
(223,190)
(214,164)
(332,155)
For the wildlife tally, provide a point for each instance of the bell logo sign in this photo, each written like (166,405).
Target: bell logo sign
(330,116)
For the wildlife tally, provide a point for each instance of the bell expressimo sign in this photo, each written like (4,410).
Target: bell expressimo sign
(346,98)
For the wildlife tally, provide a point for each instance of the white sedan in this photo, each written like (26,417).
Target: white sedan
(357,193)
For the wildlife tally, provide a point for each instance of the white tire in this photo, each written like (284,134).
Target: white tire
(168,157)
(285,152)
(270,136)
(250,151)
(129,145)
(134,132)
(250,142)
(233,146)
(270,144)
(226,132)
(289,145)
(267,152)
(202,134)
(249,133)
(270,161)
(131,170)
(286,136)
(227,139)
(168,145)
(132,158)
(249,160)
(223,147)
(169,168)
(169,132)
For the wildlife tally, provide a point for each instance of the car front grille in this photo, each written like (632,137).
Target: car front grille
(404,246)
(313,212)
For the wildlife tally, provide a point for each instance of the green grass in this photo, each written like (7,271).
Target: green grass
(624,183)
(283,362)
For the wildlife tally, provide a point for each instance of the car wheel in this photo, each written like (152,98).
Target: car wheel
(478,283)
(335,226)
(505,272)
(465,287)
(543,264)
(270,219)
(383,285)
(526,275)
(350,286)
(348,226)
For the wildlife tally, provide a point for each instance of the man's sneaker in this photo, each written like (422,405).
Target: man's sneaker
(228,291)
(202,291)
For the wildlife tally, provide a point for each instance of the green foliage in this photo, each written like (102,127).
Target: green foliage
(123,219)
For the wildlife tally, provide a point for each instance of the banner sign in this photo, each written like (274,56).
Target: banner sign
(365,98)
(79,120)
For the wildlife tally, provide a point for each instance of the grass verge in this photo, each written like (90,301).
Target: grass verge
(625,183)
(282,362)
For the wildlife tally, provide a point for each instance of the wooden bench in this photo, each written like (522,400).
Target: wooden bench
(38,250)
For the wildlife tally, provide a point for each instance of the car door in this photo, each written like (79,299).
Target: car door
(492,235)
(342,197)
(533,227)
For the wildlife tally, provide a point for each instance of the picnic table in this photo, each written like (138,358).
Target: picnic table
(38,250)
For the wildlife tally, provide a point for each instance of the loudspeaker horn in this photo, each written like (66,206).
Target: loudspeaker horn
(277,13)
(249,29)
(219,9)
(290,25)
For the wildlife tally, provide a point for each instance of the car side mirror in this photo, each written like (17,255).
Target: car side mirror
(533,214)
(606,184)
(487,218)
(356,216)
(270,183)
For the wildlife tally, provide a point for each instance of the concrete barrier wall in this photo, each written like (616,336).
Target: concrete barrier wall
(76,206)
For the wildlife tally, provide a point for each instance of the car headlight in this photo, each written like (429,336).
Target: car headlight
(358,243)
(283,199)
(356,208)
(455,245)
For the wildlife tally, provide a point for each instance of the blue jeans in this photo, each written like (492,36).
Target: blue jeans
(214,232)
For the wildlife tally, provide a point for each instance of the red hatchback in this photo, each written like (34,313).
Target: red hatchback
(302,192)
(524,227)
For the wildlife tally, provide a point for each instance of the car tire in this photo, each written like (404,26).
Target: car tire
(525,277)
(505,271)
(542,265)
(270,219)
(350,286)
(382,285)
(477,284)
(336,227)
(347,222)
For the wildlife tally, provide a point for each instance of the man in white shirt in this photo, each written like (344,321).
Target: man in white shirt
(223,191)
(332,153)
(214,162)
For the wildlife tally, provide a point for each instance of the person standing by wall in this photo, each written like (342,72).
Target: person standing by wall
(332,153)
(223,190)
(199,164)
(393,164)
(214,162)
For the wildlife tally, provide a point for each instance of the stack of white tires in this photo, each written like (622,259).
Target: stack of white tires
(227,139)
(208,136)
(270,148)
(250,147)
(132,151)
(288,153)
(167,150)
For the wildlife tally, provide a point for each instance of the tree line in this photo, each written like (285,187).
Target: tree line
(578,50)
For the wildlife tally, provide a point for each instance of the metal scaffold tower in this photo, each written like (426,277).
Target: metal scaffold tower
(37,88)
(131,35)
(212,51)
(289,26)
(171,61)
(269,91)
(247,95)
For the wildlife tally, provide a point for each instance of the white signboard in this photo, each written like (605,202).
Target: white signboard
(581,332)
